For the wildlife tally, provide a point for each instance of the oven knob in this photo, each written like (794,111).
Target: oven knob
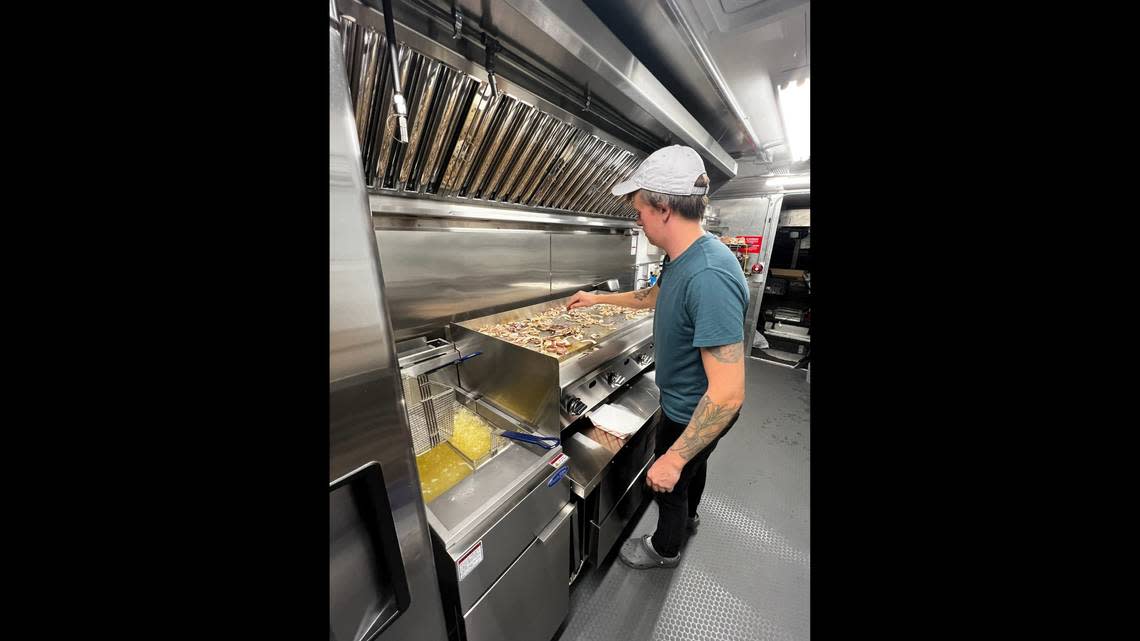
(614,379)
(642,359)
(574,405)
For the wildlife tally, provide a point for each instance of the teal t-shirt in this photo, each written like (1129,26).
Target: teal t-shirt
(702,303)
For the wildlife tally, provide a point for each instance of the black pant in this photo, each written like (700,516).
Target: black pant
(677,506)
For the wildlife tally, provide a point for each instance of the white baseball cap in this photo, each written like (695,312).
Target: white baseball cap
(669,170)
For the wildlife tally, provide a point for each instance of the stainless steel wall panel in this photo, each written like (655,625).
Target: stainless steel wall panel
(432,277)
(580,260)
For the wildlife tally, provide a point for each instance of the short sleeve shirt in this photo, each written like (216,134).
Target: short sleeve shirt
(702,303)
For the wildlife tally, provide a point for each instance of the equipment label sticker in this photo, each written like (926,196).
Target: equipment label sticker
(470,560)
(558,460)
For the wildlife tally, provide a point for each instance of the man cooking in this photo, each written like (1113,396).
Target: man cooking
(700,300)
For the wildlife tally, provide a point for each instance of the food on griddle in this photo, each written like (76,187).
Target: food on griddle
(557,331)
(471,434)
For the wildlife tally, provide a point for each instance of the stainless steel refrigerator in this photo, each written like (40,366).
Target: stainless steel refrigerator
(382,579)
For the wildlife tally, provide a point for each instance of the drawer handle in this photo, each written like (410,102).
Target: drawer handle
(556,523)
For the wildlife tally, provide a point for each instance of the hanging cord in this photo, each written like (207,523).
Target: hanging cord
(398,102)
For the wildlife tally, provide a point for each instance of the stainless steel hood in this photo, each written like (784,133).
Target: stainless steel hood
(617,76)
(722,59)
(575,112)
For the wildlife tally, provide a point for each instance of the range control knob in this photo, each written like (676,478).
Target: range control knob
(574,405)
(642,359)
(614,379)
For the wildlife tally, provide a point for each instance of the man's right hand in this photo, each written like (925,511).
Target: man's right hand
(581,299)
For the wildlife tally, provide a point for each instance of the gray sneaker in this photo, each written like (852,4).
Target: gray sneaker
(638,553)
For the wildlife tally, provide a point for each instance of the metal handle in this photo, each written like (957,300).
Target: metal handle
(366,491)
(556,522)
(545,442)
(611,285)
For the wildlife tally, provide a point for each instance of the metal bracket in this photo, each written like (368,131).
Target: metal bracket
(457,15)
(491,47)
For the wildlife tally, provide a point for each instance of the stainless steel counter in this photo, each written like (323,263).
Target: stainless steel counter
(607,473)
(462,513)
(468,503)
(591,450)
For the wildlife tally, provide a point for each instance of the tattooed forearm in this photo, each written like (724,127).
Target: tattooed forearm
(642,294)
(728,353)
(708,421)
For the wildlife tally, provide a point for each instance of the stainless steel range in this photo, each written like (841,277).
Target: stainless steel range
(551,391)
(555,393)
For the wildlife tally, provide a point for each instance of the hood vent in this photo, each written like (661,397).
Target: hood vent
(469,145)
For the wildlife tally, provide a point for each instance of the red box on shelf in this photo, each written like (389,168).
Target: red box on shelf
(752,240)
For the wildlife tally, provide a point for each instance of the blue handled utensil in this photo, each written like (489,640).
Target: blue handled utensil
(545,442)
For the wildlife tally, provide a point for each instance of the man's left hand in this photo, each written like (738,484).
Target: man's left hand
(663,474)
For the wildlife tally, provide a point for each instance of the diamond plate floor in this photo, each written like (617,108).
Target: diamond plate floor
(745,574)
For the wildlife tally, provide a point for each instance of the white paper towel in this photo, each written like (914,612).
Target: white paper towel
(616,420)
